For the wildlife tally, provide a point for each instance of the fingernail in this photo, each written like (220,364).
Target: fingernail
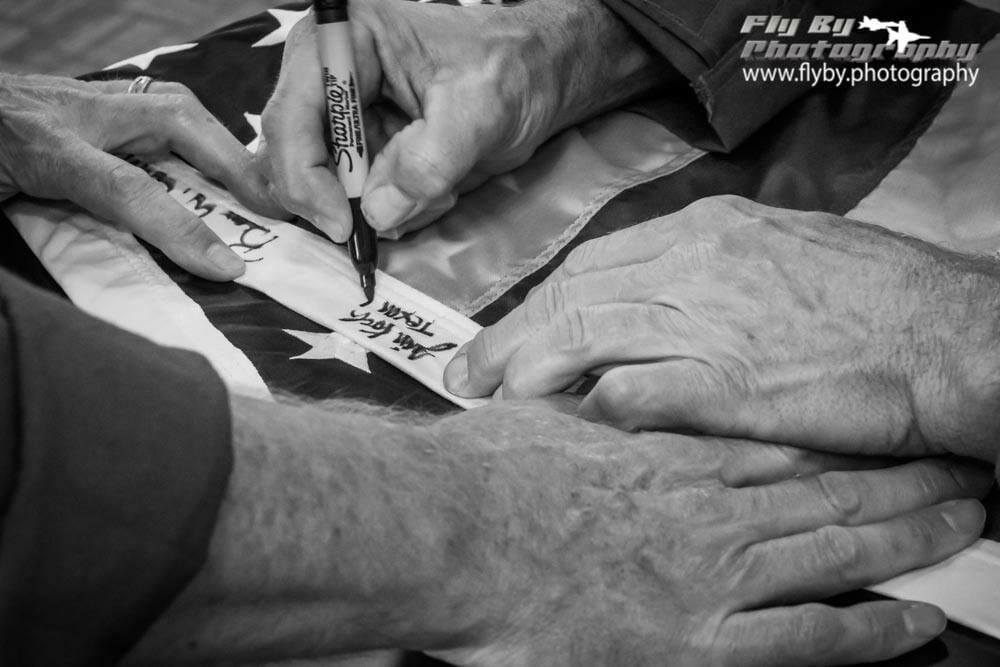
(456,374)
(225,259)
(334,229)
(923,620)
(387,207)
(964,516)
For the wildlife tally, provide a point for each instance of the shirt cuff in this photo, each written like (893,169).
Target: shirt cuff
(702,40)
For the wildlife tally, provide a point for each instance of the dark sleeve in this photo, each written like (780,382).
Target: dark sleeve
(702,40)
(114,457)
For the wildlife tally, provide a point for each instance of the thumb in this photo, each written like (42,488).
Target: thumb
(424,162)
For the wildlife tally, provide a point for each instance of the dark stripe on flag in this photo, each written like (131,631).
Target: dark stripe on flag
(16,257)
(255,323)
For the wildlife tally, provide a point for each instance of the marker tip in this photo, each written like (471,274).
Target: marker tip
(368,285)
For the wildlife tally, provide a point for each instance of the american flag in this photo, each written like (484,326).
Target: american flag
(866,151)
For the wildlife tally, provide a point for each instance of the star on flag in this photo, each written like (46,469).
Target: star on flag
(143,60)
(332,346)
(286,19)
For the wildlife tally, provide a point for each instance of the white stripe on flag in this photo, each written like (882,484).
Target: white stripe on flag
(108,274)
(966,587)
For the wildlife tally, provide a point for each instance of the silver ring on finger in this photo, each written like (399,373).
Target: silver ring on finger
(139,85)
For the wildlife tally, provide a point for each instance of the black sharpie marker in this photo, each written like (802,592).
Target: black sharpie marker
(347,129)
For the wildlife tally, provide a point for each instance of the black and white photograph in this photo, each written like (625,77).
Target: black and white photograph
(492,333)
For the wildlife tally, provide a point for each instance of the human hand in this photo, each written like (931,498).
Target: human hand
(518,535)
(60,139)
(576,544)
(453,95)
(737,319)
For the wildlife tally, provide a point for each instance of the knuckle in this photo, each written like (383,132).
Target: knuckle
(839,551)
(189,234)
(580,259)
(707,204)
(615,392)
(177,103)
(128,184)
(932,479)
(921,536)
(187,110)
(545,304)
(877,632)
(482,355)
(818,628)
(270,117)
(572,333)
(705,506)
(731,201)
(621,399)
(300,34)
(721,212)
(421,174)
(841,494)
(181,89)
(291,192)
(517,383)
(173,88)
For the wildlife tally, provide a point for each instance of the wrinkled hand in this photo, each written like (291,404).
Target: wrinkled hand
(452,95)
(59,137)
(733,318)
(581,544)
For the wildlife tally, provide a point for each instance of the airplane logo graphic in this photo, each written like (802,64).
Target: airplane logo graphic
(899,33)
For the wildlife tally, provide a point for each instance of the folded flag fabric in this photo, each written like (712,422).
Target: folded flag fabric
(918,159)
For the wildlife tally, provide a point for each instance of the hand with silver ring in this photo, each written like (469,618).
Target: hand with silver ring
(61,139)
(140,84)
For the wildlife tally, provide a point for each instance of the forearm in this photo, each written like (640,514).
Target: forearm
(335,527)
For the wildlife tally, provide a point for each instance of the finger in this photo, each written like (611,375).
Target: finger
(124,195)
(553,312)
(700,394)
(645,241)
(383,120)
(480,371)
(751,463)
(181,124)
(168,116)
(816,634)
(625,248)
(116,86)
(434,210)
(835,559)
(296,154)
(854,498)
(580,340)
(675,394)
(427,159)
